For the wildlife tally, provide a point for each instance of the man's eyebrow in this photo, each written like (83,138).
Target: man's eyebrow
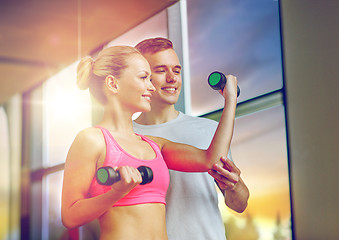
(165,66)
(160,66)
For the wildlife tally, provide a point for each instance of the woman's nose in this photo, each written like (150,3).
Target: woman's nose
(150,87)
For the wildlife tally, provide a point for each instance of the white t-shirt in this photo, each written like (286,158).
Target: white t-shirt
(192,204)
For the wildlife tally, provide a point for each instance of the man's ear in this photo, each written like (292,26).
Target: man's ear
(111,83)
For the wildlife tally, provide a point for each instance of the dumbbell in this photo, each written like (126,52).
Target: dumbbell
(217,81)
(107,175)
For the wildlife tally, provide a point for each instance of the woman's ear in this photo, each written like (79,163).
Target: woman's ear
(111,83)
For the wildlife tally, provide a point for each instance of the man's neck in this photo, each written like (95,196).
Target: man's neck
(158,115)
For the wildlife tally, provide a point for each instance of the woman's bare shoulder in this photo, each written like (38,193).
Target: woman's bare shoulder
(90,137)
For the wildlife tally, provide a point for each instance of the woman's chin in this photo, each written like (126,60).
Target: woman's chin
(145,109)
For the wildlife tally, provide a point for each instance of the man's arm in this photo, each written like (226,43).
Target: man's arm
(231,185)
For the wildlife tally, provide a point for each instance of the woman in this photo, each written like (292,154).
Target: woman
(120,79)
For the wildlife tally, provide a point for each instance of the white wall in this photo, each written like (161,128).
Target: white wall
(311,48)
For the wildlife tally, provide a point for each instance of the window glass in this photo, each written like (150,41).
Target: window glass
(10,171)
(4,176)
(67,110)
(33,122)
(35,214)
(259,150)
(235,37)
(52,227)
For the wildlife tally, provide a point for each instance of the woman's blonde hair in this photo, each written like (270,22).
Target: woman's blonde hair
(110,61)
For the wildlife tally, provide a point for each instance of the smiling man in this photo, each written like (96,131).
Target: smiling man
(166,78)
(192,204)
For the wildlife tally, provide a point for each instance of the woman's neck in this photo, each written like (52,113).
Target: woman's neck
(117,121)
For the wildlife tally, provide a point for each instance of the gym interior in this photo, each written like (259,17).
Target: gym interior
(285,54)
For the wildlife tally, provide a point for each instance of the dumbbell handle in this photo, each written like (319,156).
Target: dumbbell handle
(107,175)
(217,81)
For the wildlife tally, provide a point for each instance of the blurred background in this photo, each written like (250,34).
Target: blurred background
(285,55)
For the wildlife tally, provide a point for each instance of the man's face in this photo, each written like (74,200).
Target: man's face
(166,76)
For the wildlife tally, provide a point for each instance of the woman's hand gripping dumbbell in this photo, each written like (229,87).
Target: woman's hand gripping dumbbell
(107,175)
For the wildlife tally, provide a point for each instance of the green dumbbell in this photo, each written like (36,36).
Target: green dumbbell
(217,81)
(107,175)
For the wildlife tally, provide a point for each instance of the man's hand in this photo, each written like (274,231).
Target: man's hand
(230,183)
(227,176)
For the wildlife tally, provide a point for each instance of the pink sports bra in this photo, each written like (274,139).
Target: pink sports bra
(153,192)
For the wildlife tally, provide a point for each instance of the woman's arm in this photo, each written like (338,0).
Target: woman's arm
(78,207)
(184,157)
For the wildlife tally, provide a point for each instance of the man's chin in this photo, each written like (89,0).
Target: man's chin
(171,101)
(168,100)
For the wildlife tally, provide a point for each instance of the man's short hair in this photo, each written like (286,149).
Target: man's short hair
(154,45)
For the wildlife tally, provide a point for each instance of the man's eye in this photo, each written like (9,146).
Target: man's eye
(177,70)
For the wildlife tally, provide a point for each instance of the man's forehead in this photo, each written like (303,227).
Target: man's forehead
(164,57)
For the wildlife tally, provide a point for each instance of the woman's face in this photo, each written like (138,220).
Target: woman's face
(135,87)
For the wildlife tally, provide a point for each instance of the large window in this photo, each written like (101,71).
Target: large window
(259,149)
(243,38)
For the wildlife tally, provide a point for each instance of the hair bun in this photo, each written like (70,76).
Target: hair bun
(84,72)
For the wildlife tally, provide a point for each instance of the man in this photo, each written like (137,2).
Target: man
(192,205)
